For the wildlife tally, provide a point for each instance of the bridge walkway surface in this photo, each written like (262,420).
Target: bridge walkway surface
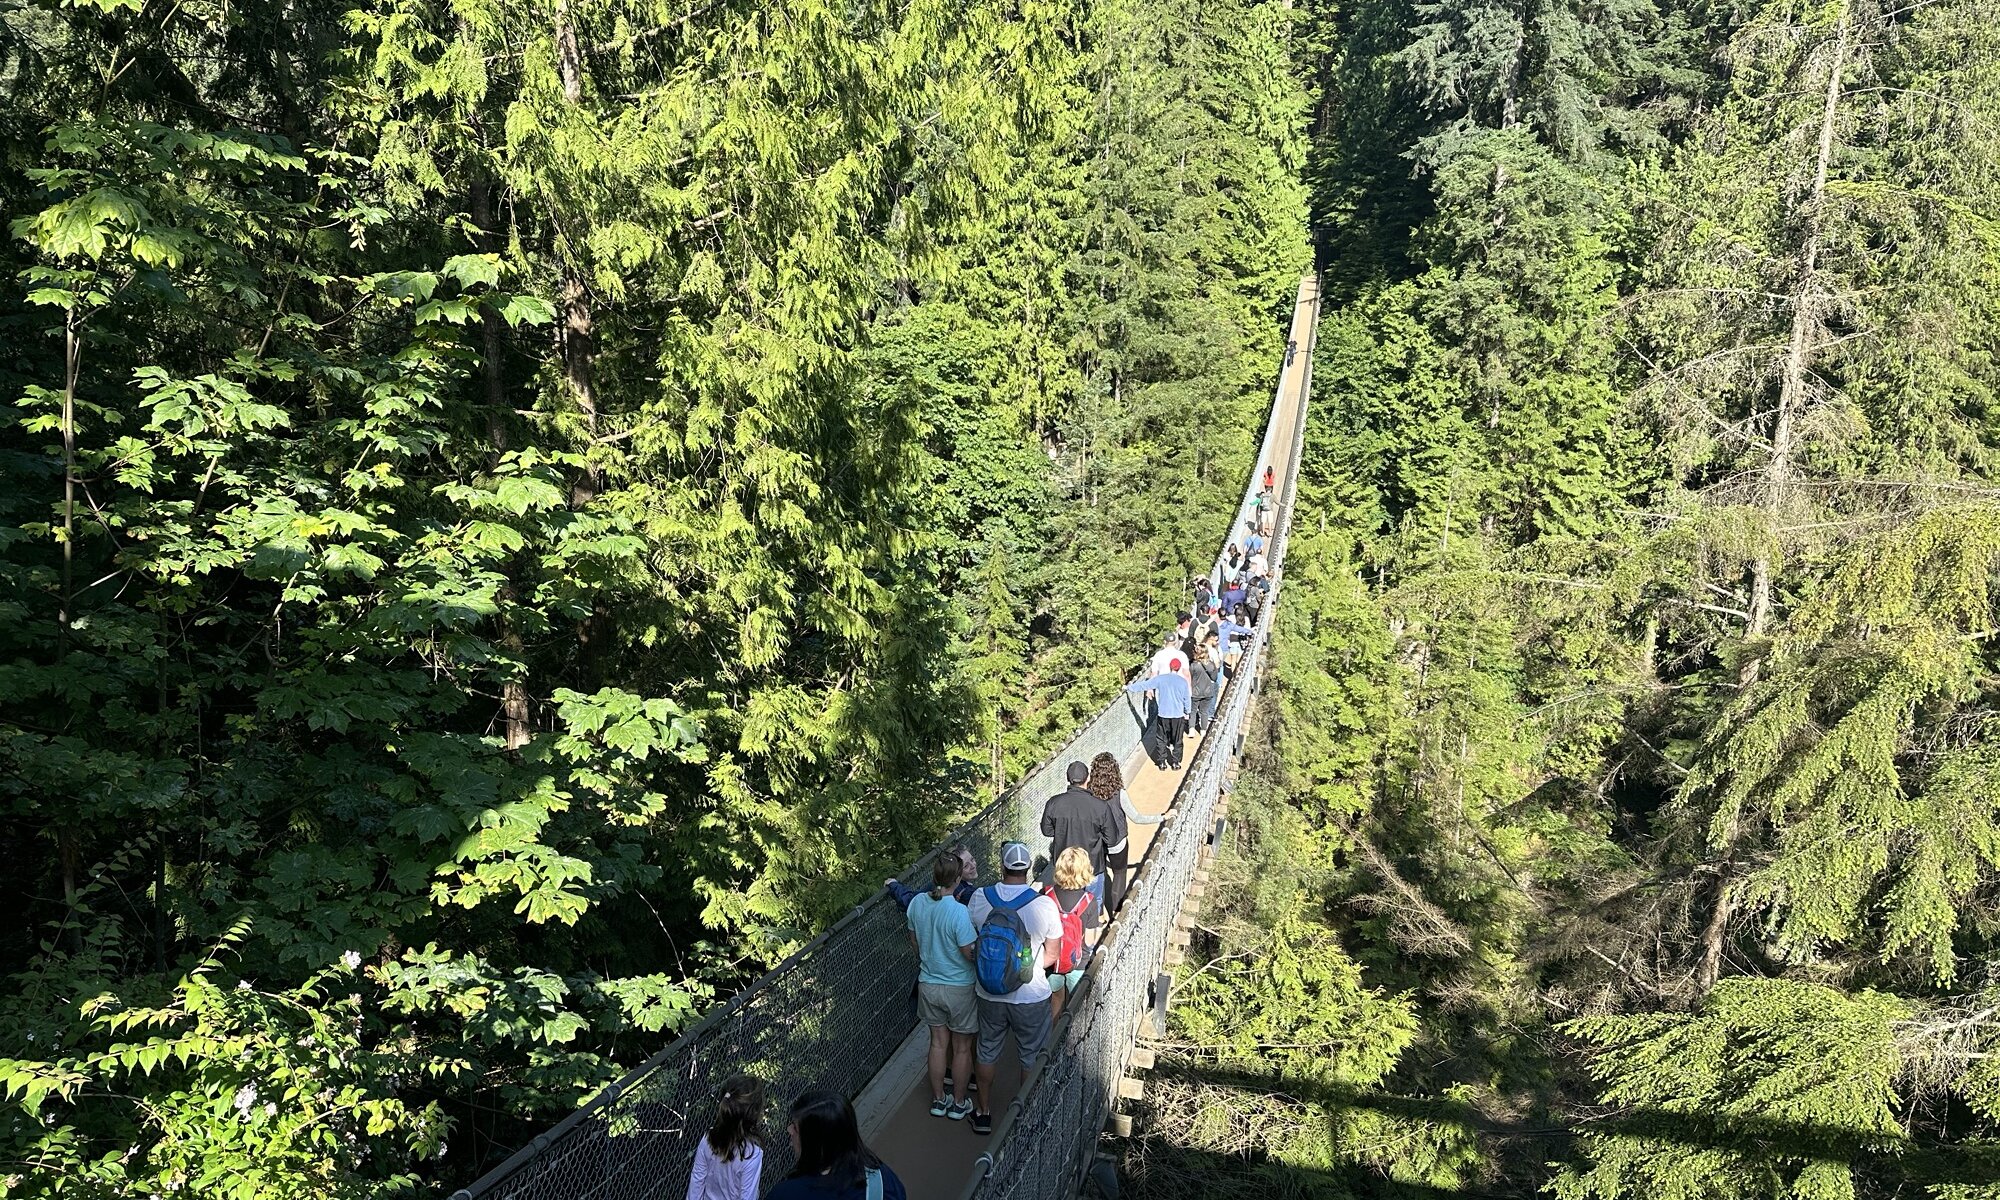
(836,1014)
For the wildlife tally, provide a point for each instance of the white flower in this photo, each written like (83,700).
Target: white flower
(242,985)
(270,1108)
(245,1097)
(351,960)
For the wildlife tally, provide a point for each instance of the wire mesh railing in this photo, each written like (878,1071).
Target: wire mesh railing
(817,1020)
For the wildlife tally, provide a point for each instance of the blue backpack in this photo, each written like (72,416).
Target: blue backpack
(1004,958)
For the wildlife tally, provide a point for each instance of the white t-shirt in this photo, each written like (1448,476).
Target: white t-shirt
(725,1179)
(1044,923)
(1162,660)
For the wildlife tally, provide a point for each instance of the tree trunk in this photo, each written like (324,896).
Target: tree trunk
(70,849)
(579,327)
(72,358)
(569,58)
(1792,388)
(1794,380)
(514,708)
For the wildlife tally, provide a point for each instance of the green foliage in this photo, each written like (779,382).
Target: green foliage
(1767,1090)
(1639,674)
(1847,751)
(514,516)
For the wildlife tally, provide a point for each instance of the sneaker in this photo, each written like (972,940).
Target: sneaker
(982,1122)
(960,1109)
(940,1106)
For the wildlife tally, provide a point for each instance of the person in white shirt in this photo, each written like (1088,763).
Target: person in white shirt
(729,1162)
(1024,1011)
(1168,657)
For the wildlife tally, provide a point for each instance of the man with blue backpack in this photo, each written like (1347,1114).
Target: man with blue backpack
(1019,932)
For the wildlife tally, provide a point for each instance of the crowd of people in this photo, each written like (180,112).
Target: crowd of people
(998,963)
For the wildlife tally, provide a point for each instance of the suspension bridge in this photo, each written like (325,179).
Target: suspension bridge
(836,1014)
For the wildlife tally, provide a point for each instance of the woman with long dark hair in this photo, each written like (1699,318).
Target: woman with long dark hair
(1107,783)
(833,1163)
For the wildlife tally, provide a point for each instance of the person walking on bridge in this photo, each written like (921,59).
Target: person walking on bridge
(1019,932)
(1170,652)
(1233,596)
(1082,914)
(1073,817)
(1170,692)
(941,930)
(1252,547)
(1228,631)
(1107,783)
(1205,679)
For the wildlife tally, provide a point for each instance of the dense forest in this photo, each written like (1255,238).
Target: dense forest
(513,515)
(1625,821)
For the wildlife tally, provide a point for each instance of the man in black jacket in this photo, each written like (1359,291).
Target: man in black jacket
(1077,818)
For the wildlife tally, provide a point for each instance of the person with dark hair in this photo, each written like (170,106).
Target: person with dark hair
(1205,680)
(729,1161)
(902,893)
(1232,595)
(1073,817)
(942,933)
(833,1163)
(1107,783)
(1227,632)
(968,875)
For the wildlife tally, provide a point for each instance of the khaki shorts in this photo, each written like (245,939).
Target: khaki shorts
(954,1007)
